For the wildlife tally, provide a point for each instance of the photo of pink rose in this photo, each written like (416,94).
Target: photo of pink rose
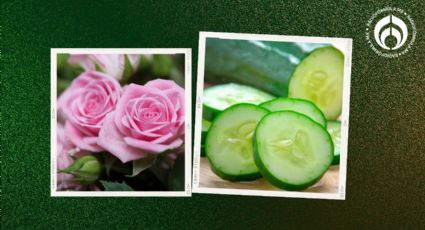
(120,122)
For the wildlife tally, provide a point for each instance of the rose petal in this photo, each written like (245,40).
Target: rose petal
(162,84)
(164,138)
(130,91)
(111,139)
(78,139)
(90,140)
(151,147)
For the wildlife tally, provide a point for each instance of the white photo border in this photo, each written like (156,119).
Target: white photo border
(345,44)
(188,121)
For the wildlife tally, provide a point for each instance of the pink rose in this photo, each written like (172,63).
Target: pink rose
(111,64)
(85,104)
(148,119)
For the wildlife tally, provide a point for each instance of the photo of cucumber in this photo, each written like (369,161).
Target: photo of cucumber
(219,97)
(228,145)
(296,155)
(319,78)
(270,113)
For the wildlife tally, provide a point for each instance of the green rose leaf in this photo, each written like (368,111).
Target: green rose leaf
(142,164)
(115,186)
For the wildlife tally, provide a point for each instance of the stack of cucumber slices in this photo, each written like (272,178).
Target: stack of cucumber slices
(291,141)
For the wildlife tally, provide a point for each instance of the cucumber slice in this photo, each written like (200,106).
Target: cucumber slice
(319,78)
(291,150)
(298,105)
(229,142)
(205,127)
(334,129)
(218,98)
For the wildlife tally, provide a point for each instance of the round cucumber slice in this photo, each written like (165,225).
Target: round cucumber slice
(334,129)
(229,142)
(298,105)
(319,78)
(295,155)
(219,97)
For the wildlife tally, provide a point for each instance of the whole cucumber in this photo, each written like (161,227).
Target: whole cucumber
(264,65)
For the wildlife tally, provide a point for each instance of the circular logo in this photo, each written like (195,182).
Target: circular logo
(390,32)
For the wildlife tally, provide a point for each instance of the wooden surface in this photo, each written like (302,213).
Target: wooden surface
(208,179)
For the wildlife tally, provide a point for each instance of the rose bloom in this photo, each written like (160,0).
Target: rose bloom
(111,64)
(85,104)
(148,119)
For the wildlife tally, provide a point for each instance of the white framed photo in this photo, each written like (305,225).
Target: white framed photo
(272,115)
(121,122)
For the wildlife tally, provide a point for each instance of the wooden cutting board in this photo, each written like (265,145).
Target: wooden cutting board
(208,179)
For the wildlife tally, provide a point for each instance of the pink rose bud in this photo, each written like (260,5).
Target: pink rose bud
(82,60)
(148,119)
(111,64)
(85,104)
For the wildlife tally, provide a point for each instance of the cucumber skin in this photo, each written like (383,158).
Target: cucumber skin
(204,136)
(293,72)
(297,49)
(263,65)
(209,113)
(226,176)
(272,179)
(325,122)
(235,178)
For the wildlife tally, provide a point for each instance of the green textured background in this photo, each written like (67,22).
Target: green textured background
(386,154)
